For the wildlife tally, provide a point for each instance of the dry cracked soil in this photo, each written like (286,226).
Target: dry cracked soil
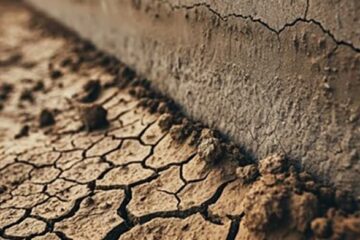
(89,151)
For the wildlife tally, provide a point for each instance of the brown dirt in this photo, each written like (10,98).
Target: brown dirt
(142,170)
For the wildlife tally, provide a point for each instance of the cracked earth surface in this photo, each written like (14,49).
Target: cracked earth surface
(89,151)
(271,75)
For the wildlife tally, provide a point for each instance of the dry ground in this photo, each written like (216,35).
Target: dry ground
(87,151)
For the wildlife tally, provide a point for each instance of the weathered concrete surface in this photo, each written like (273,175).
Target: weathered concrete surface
(274,76)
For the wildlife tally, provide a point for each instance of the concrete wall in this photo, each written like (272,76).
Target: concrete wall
(273,75)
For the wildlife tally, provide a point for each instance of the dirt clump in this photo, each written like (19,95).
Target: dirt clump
(38,86)
(277,197)
(209,148)
(94,117)
(182,131)
(138,92)
(235,154)
(282,196)
(27,95)
(151,104)
(343,226)
(303,208)
(264,206)
(273,164)
(55,74)
(123,76)
(154,102)
(91,91)
(5,90)
(177,133)
(165,122)
(163,108)
(46,118)
(247,173)
(23,132)
(89,202)
(3,189)
(321,227)
(67,61)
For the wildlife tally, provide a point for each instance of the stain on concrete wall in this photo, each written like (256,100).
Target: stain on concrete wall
(274,76)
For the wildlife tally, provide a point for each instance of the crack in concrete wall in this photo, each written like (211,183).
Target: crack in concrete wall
(277,30)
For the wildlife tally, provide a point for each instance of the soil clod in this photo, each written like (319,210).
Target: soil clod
(247,173)
(182,131)
(24,132)
(165,122)
(55,74)
(3,189)
(27,95)
(38,86)
(272,164)
(321,227)
(5,90)
(91,91)
(94,117)
(209,148)
(46,118)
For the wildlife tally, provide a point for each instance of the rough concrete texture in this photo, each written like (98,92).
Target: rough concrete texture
(273,75)
(136,177)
